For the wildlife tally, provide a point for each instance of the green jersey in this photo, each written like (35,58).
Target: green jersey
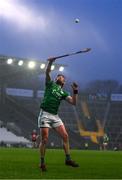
(53,96)
(105,139)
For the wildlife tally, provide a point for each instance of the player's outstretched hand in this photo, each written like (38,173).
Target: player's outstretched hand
(51,59)
(74,86)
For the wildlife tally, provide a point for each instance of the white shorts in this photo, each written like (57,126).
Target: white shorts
(105,143)
(48,120)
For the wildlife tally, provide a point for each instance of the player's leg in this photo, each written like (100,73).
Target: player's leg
(63,133)
(44,138)
(43,124)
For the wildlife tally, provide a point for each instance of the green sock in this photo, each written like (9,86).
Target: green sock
(42,160)
(68,157)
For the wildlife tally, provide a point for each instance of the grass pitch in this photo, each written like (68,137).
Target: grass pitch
(23,164)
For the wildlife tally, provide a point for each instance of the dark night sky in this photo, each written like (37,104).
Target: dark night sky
(41,28)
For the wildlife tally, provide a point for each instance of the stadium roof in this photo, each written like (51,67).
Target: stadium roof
(12,67)
(23,72)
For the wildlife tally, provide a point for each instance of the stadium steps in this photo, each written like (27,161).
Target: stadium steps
(8,137)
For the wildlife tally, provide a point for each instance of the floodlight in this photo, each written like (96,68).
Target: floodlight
(61,68)
(20,63)
(42,66)
(52,67)
(9,61)
(31,64)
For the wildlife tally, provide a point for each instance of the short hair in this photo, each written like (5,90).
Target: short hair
(61,75)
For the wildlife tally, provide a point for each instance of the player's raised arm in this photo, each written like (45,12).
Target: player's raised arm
(48,69)
(73,99)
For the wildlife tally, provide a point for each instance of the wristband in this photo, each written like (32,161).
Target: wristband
(75,91)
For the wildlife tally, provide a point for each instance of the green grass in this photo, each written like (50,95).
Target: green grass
(23,164)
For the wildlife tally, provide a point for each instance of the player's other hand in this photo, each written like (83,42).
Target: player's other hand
(74,86)
(51,59)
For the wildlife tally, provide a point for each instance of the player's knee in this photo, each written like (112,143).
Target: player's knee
(65,137)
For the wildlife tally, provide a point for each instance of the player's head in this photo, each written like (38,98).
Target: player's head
(60,79)
(34,131)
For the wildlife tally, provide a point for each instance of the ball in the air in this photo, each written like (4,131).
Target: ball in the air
(77,20)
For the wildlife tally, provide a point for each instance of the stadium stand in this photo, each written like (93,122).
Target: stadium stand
(1,124)
(19,109)
(8,138)
(113,125)
(109,113)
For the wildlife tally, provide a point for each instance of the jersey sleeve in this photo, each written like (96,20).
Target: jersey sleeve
(49,83)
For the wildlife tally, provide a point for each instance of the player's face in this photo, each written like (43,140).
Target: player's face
(60,80)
